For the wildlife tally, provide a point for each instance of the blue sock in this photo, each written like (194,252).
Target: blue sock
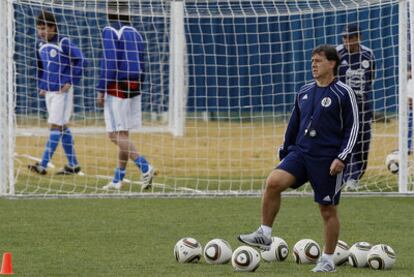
(119,175)
(67,143)
(142,164)
(410,130)
(51,146)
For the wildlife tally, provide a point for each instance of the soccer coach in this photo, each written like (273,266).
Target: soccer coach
(319,139)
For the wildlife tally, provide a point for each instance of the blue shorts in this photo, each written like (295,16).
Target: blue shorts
(327,188)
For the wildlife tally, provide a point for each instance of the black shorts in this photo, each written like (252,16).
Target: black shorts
(327,188)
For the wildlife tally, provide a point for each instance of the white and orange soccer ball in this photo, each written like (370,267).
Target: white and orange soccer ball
(341,253)
(381,256)
(278,251)
(358,254)
(245,258)
(306,251)
(217,251)
(187,250)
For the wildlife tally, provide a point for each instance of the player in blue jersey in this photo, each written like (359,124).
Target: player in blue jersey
(321,133)
(119,90)
(357,69)
(60,66)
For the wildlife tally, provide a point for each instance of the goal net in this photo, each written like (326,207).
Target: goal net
(220,83)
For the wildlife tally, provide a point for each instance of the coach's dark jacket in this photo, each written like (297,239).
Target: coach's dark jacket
(324,121)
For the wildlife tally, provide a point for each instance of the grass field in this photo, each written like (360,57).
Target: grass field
(135,237)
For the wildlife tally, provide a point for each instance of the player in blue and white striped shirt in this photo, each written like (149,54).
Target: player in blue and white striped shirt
(357,69)
(60,66)
(319,139)
(119,90)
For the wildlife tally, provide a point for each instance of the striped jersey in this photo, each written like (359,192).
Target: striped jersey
(357,70)
(59,62)
(123,55)
(331,113)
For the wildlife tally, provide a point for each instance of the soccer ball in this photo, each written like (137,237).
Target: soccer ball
(217,251)
(187,250)
(392,162)
(245,258)
(306,251)
(358,254)
(278,251)
(381,256)
(341,253)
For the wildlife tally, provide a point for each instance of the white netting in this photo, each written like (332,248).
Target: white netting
(244,63)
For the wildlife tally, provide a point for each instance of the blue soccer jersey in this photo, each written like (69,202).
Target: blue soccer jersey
(324,121)
(357,70)
(59,62)
(123,55)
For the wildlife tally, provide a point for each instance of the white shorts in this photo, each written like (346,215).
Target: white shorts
(122,114)
(59,106)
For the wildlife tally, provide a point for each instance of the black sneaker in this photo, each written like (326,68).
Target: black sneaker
(37,168)
(69,170)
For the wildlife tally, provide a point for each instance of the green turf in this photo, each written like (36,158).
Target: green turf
(135,237)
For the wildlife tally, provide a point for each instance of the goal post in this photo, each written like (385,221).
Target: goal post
(7,100)
(403,97)
(178,90)
(3,105)
(11,99)
(221,79)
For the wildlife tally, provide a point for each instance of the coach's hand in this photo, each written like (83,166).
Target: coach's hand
(336,167)
(100,99)
(42,92)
